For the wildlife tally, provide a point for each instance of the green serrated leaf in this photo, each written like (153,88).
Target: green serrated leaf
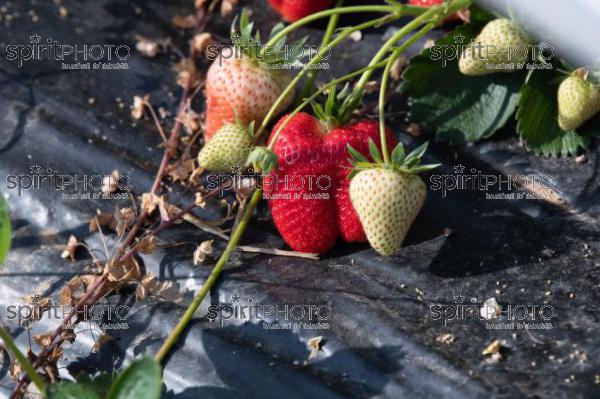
(374,151)
(5,229)
(458,108)
(71,390)
(356,155)
(424,168)
(398,154)
(331,101)
(537,118)
(417,153)
(318,110)
(142,379)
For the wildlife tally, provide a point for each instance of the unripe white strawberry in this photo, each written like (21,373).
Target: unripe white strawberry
(499,47)
(578,101)
(387,203)
(387,196)
(228,148)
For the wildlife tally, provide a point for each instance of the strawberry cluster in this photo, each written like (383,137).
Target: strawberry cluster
(308,193)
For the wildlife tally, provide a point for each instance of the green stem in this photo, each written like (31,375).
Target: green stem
(316,94)
(436,13)
(23,361)
(317,58)
(382,93)
(384,83)
(401,9)
(212,278)
(312,74)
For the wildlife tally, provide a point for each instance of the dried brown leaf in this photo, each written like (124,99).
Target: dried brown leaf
(202,251)
(149,202)
(397,67)
(137,109)
(190,121)
(184,21)
(166,290)
(371,86)
(187,73)
(104,338)
(71,248)
(68,334)
(147,47)
(125,218)
(314,345)
(227,7)
(200,201)
(43,339)
(446,339)
(201,41)
(147,244)
(105,219)
(124,272)
(492,348)
(109,183)
(414,129)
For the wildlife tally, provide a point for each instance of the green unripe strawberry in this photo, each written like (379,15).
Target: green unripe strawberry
(228,149)
(578,101)
(386,203)
(388,196)
(499,47)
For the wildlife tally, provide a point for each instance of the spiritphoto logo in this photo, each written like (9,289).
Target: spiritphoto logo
(295,54)
(307,316)
(293,186)
(516,57)
(508,317)
(71,56)
(496,186)
(71,185)
(102,316)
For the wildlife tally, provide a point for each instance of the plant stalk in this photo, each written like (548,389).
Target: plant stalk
(212,278)
(436,13)
(23,361)
(400,9)
(384,83)
(312,74)
(317,58)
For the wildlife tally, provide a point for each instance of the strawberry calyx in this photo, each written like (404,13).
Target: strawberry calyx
(250,44)
(249,129)
(400,162)
(338,108)
(263,160)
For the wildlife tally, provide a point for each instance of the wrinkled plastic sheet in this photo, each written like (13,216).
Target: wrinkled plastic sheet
(382,339)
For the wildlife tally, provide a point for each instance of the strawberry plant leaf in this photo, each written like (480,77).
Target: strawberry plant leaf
(537,118)
(374,151)
(417,153)
(457,107)
(398,154)
(356,155)
(4,228)
(71,390)
(142,379)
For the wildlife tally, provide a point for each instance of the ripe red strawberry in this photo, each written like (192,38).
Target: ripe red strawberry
(293,10)
(356,135)
(462,15)
(244,81)
(306,224)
